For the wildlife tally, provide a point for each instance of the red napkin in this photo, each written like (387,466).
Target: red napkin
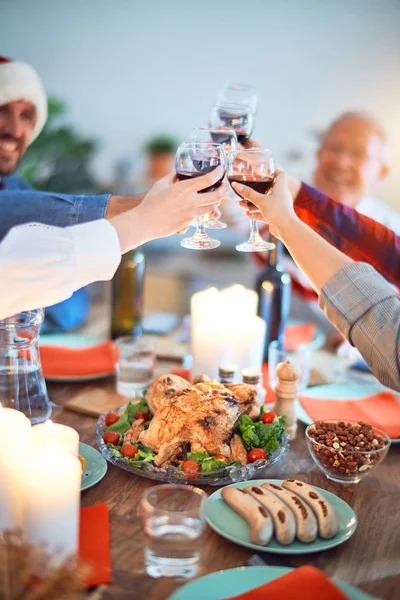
(380,410)
(303,333)
(58,361)
(303,583)
(94,543)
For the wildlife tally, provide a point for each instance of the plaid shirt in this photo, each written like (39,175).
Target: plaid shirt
(357,236)
(366,310)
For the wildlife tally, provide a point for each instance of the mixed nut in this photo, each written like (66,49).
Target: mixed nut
(345,449)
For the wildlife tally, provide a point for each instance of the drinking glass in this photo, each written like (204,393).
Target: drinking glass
(239,93)
(173,519)
(301,358)
(227,138)
(239,117)
(256,169)
(22,385)
(136,364)
(194,159)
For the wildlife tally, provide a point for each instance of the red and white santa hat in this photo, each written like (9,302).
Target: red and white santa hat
(19,81)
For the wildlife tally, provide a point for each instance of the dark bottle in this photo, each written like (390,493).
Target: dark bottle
(127,295)
(273,289)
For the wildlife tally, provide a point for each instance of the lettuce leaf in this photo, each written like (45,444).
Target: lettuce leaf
(212,464)
(122,425)
(126,419)
(262,435)
(144,455)
(198,457)
(248,432)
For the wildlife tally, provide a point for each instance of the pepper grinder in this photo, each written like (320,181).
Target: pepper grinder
(286,390)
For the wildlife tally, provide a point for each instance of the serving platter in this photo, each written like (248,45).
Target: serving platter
(171,474)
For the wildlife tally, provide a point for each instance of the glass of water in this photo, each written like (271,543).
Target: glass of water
(301,358)
(136,364)
(173,518)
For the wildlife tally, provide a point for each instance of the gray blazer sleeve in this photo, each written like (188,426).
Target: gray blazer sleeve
(366,310)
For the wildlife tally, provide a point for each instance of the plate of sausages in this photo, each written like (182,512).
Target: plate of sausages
(280,516)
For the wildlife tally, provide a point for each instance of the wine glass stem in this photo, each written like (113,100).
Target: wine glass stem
(254,235)
(201,230)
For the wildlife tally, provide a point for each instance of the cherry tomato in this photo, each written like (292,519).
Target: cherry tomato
(221,457)
(190,467)
(129,450)
(111,437)
(111,418)
(256,454)
(268,416)
(142,415)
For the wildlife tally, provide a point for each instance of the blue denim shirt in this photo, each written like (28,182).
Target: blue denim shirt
(20,204)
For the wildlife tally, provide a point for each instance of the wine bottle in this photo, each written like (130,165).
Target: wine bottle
(273,287)
(127,295)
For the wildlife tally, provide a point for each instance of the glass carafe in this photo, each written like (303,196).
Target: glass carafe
(22,384)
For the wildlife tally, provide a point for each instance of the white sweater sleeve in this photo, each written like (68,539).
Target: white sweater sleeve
(42,265)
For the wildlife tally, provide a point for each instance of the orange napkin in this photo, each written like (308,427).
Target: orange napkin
(181,372)
(380,410)
(94,543)
(303,333)
(58,361)
(300,584)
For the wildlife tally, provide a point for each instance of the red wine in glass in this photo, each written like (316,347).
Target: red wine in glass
(243,137)
(262,186)
(182,175)
(221,137)
(241,122)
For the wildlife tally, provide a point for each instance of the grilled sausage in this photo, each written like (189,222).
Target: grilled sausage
(323,510)
(261,526)
(306,522)
(282,516)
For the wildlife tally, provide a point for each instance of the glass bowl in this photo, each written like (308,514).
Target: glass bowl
(346,451)
(171,474)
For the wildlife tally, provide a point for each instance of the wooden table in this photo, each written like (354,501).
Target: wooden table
(370,560)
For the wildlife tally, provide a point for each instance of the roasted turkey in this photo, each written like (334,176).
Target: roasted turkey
(196,417)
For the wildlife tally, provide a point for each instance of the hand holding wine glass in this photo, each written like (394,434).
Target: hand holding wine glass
(227,139)
(276,209)
(194,159)
(255,169)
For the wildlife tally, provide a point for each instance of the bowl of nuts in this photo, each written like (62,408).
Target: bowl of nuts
(346,451)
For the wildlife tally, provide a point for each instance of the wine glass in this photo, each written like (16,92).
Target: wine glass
(256,169)
(192,160)
(239,93)
(227,138)
(238,117)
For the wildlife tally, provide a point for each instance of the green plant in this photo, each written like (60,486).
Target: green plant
(59,159)
(161,144)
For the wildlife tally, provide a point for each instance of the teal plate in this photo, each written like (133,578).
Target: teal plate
(340,391)
(225,521)
(96,466)
(232,582)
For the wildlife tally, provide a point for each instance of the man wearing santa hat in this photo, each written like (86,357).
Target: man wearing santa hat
(23,113)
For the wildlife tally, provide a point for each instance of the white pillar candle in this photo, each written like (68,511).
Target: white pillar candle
(14,436)
(224,329)
(239,301)
(64,438)
(247,344)
(209,346)
(51,501)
